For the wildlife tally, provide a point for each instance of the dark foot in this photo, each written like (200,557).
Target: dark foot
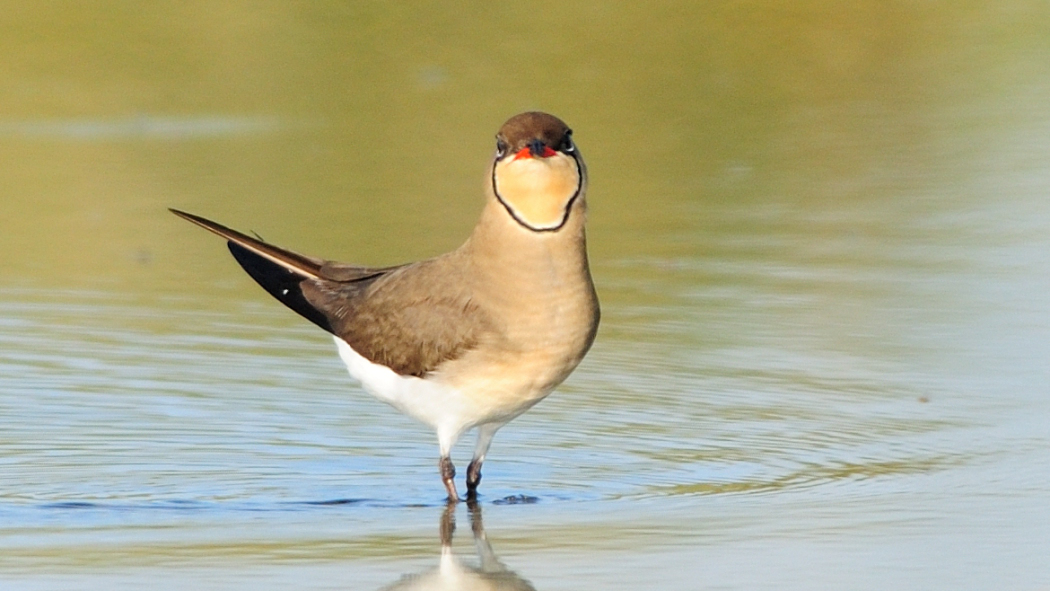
(448,475)
(473,479)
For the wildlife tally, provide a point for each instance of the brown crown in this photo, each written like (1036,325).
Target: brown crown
(523,128)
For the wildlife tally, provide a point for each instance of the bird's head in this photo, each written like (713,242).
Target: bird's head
(538,173)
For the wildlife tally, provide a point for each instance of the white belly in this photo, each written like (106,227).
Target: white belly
(446,409)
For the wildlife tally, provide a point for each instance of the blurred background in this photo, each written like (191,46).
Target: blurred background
(820,233)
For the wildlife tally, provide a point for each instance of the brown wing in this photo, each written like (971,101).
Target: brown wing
(411,318)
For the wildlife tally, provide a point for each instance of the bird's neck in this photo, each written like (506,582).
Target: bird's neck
(502,246)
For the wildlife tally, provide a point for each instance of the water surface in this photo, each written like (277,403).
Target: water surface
(819,237)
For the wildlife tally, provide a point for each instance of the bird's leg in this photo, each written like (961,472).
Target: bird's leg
(448,475)
(485,434)
(473,478)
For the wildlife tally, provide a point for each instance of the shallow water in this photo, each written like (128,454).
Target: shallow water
(820,241)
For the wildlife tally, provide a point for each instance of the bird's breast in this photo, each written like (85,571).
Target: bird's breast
(545,315)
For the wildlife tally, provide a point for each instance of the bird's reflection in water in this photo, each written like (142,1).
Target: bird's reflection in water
(452,574)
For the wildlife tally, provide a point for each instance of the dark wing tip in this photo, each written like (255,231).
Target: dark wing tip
(280,272)
(196,219)
(207,224)
(280,282)
(302,264)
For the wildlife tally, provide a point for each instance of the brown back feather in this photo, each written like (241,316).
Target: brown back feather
(411,319)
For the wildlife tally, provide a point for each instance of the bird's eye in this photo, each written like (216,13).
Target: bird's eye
(501,148)
(566,143)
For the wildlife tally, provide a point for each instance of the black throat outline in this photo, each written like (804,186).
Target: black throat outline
(568,205)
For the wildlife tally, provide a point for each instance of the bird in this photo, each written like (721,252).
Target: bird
(473,338)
